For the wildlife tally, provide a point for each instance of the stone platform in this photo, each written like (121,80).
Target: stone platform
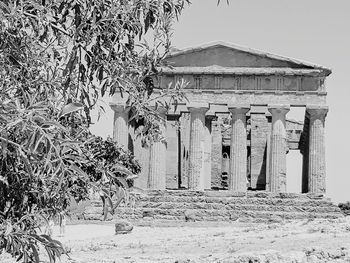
(180,205)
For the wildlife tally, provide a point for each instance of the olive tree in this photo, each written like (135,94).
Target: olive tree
(57,58)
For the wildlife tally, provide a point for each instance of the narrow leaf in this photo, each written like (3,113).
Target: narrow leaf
(71,107)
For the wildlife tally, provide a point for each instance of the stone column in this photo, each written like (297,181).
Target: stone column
(268,157)
(216,153)
(237,180)
(207,152)
(185,145)
(317,162)
(120,124)
(195,180)
(141,153)
(278,148)
(157,158)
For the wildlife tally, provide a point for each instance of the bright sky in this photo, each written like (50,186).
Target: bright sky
(317,31)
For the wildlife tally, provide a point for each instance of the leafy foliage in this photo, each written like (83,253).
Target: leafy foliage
(24,245)
(111,170)
(57,58)
(84,49)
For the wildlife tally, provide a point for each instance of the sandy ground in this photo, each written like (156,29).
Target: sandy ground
(300,241)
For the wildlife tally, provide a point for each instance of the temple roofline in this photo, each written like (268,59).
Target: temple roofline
(299,62)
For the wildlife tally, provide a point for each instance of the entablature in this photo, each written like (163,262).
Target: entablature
(245,82)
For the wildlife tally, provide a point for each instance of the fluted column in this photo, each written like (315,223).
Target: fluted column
(120,124)
(207,139)
(238,149)
(157,158)
(195,180)
(216,154)
(278,148)
(317,162)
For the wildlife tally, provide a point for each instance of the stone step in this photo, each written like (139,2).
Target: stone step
(232,214)
(235,200)
(228,201)
(209,214)
(238,207)
(220,206)
(233,207)
(223,193)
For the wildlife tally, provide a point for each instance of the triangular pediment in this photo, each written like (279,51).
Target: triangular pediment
(225,56)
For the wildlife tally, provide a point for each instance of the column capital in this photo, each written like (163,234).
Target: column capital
(198,107)
(238,109)
(119,107)
(315,111)
(278,108)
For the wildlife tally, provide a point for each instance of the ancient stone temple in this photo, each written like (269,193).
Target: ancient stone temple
(233,132)
(224,158)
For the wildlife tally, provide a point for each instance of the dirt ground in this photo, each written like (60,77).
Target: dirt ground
(298,241)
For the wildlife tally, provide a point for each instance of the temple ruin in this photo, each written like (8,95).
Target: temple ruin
(233,132)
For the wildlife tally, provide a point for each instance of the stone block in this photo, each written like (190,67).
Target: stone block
(191,215)
(123,227)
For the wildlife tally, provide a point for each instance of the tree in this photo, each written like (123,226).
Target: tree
(57,58)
